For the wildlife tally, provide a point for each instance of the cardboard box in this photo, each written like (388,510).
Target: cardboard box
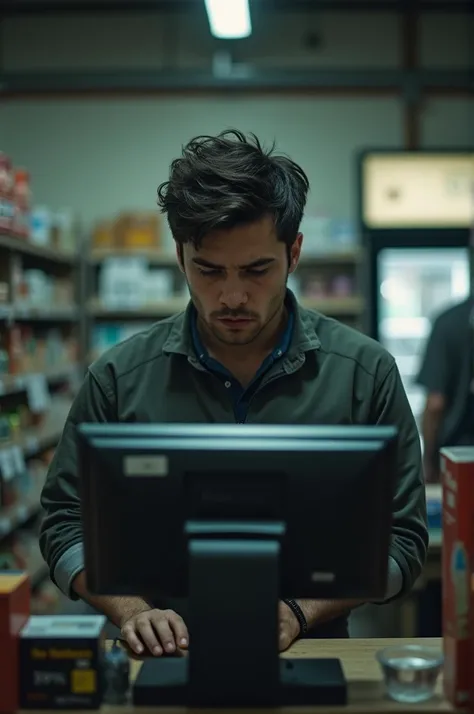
(15,594)
(137,231)
(14,612)
(457,471)
(103,235)
(61,662)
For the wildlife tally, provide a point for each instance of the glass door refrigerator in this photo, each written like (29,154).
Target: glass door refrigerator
(416,212)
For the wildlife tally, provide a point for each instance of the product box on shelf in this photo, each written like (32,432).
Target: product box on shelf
(137,230)
(6,194)
(102,235)
(457,470)
(15,596)
(21,198)
(61,662)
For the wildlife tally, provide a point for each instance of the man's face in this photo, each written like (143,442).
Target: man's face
(237,280)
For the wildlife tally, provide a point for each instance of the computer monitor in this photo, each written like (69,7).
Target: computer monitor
(236,517)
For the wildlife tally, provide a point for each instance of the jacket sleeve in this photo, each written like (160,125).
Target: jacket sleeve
(409,544)
(60,536)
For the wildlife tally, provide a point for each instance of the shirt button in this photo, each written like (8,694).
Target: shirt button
(228,384)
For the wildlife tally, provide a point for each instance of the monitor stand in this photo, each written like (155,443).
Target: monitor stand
(233,624)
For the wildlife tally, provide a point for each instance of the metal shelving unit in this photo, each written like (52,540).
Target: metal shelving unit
(18,449)
(14,383)
(45,253)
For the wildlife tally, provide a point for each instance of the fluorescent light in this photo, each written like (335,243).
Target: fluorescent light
(229,19)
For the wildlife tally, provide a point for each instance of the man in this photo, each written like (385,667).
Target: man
(243,351)
(446,374)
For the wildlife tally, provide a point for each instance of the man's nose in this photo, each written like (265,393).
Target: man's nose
(233,295)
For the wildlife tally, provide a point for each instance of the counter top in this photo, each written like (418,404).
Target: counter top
(365,686)
(366,691)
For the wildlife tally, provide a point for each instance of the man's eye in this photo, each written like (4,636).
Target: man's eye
(255,271)
(209,272)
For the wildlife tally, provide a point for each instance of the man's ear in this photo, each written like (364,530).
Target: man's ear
(295,252)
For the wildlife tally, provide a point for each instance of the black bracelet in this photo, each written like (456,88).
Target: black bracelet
(299,614)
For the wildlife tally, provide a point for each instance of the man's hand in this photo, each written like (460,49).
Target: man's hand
(289,627)
(159,631)
(142,627)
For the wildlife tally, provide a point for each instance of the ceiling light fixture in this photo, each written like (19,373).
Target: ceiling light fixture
(229,19)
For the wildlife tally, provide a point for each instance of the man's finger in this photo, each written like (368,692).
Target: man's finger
(165,633)
(130,636)
(146,632)
(180,630)
(284,641)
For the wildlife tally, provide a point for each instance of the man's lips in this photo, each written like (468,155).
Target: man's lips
(235,320)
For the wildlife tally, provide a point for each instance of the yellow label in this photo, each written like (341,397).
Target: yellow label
(83,681)
(9,583)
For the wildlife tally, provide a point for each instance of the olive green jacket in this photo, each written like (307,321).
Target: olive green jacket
(330,374)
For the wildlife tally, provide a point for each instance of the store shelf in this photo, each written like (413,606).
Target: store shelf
(161,309)
(18,514)
(154,257)
(36,440)
(335,306)
(23,246)
(11,384)
(158,258)
(33,445)
(329,259)
(32,314)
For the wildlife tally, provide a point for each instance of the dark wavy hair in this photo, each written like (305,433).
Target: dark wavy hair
(228,180)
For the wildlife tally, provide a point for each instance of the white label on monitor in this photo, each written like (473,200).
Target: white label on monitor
(424,190)
(144,465)
(320,577)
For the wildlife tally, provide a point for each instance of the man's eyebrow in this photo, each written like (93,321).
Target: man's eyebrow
(258,263)
(207,264)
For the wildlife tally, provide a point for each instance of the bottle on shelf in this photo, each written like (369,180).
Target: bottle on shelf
(6,194)
(22,199)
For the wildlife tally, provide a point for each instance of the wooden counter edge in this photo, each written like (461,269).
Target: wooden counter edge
(366,689)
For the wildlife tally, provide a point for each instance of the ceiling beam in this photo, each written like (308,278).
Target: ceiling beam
(25,7)
(242,78)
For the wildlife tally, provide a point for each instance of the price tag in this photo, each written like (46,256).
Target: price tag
(7,465)
(39,398)
(18,460)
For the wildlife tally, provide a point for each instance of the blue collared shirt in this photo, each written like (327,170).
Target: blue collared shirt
(240,395)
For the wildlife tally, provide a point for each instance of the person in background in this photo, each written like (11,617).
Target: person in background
(446,374)
(244,350)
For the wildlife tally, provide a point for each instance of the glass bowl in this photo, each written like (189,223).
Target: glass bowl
(410,671)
